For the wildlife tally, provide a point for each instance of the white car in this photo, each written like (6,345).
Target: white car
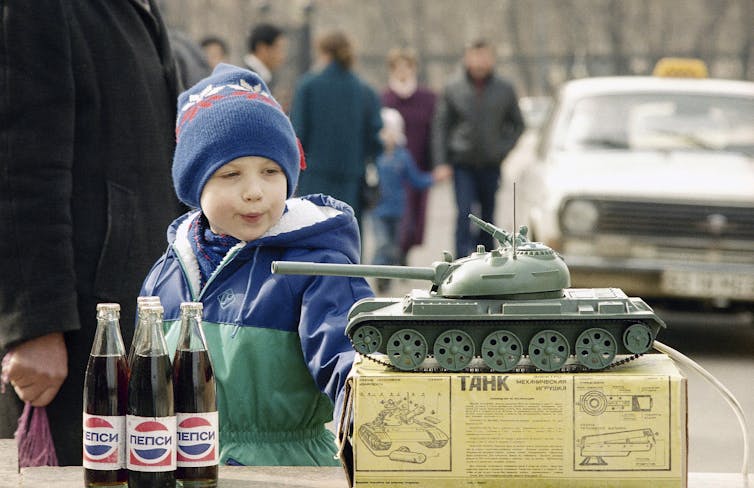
(647,184)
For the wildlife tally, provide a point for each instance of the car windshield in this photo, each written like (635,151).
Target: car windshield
(661,121)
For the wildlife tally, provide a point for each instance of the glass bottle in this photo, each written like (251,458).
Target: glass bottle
(195,403)
(105,397)
(150,416)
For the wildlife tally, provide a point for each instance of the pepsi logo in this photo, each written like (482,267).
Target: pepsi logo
(197,440)
(150,444)
(101,440)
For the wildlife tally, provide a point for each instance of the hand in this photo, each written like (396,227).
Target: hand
(442,172)
(37,368)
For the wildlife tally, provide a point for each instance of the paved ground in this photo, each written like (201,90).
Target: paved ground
(725,348)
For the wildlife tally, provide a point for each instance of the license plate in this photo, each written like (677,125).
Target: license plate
(714,285)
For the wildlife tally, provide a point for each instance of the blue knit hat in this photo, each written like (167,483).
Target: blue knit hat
(228,115)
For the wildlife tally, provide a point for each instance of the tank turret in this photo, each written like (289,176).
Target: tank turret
(503,309)
(517,269)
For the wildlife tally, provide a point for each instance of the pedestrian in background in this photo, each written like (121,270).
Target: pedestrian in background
(267,51)
(397,171)
(277,342)
(416,105)
(337,118)
(477,124)
(215,50)
(88,117)
(189,57)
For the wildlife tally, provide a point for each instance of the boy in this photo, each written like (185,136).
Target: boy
(277,342)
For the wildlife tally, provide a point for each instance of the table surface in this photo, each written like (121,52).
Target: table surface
(263,476)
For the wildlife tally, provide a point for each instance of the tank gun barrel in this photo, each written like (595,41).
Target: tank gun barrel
(502,236)
(329,269)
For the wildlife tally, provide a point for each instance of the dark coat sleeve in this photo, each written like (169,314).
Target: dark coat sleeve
(299,112)
(440,128)
(36,144)
(515,123)
(373,124)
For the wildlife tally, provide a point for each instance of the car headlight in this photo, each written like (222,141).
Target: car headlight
(579,217)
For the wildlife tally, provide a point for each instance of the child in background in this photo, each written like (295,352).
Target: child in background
(395,168)
(277,342)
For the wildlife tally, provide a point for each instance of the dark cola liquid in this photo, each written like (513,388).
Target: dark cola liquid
(150,394)
(106,393)
(194,387)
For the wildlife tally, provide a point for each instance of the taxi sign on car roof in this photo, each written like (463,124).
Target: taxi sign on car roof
(680,68)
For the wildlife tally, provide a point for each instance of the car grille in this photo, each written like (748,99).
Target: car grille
(675,220)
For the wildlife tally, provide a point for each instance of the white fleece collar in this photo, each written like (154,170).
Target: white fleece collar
(301,213)
(185,254)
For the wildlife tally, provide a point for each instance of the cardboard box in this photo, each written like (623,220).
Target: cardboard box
(622,427)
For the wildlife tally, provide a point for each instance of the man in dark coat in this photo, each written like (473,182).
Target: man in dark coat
(87,115)
(477,123)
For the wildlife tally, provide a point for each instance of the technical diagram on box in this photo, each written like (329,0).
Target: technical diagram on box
(406,429)
(619,427)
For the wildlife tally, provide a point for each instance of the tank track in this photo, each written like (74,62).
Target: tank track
(570,368)
(412,346)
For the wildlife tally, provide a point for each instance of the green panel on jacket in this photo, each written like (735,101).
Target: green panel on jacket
(287,428)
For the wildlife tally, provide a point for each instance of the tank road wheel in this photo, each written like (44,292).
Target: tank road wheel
(596,348)
(454,349)
(501,350)
(407,349)
(637,338)
(367,339)
(548,350)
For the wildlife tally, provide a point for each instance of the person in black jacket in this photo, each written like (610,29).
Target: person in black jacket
(87,117)
(477,123)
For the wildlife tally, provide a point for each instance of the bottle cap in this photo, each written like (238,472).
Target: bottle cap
(143,300)
(192,306)
(104,307)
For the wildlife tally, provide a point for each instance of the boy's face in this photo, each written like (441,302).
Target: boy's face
(245,197)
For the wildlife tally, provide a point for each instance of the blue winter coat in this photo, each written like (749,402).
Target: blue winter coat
(396,169)
(277,342)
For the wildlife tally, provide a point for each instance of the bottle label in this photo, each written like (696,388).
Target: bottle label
(151,443)
(197,439)
(104,442)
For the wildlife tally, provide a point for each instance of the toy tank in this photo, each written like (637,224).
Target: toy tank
(509,308)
